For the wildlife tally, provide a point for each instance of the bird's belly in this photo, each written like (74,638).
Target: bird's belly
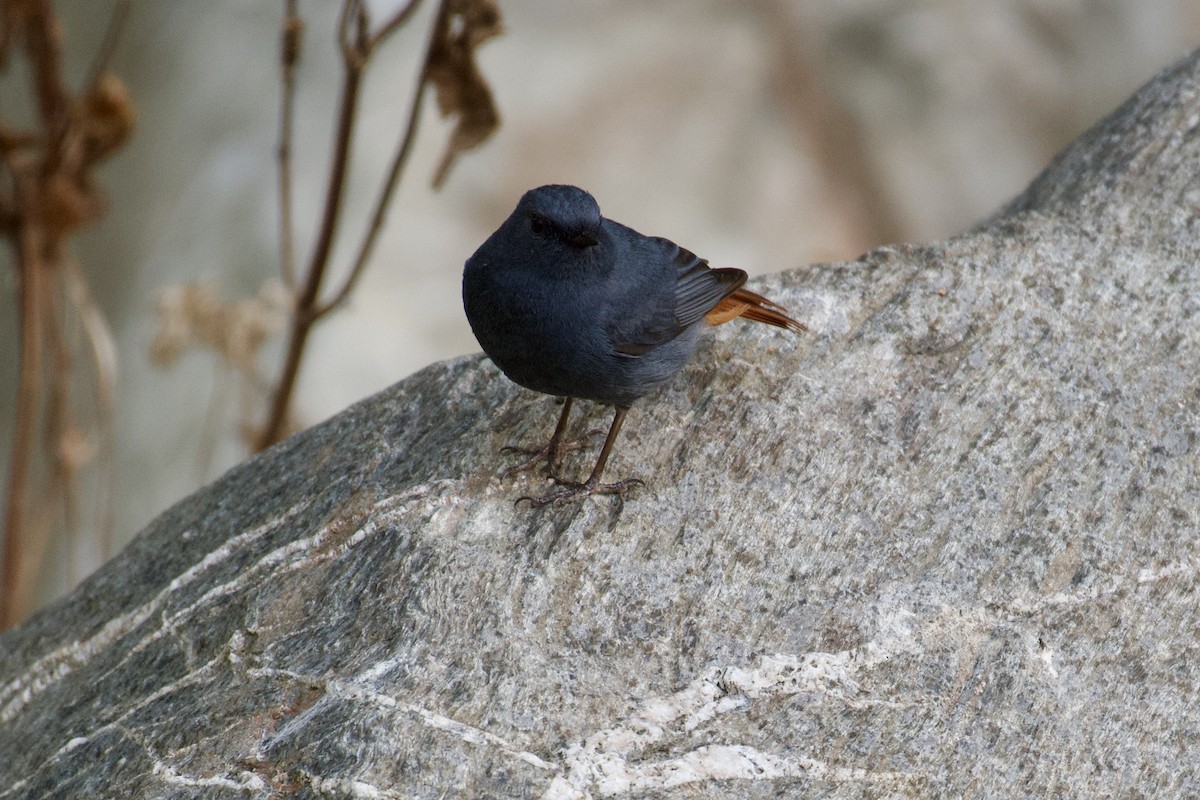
(571,365)
(570,355)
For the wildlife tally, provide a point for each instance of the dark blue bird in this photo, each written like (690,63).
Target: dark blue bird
(568,303)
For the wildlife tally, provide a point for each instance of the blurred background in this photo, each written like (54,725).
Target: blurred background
(763,134)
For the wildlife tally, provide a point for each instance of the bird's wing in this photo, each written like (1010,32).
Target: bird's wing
(660,316)
(699,287)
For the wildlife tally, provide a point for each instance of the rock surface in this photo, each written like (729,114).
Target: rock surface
(945,547)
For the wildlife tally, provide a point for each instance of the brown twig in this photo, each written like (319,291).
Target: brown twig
(357,44)
(34,24)
(103,352)
(42,36)
(383,201)
(353,60)
(29,386)
(449,65)
(293,40)
(108,45)
(53,195)
(397,22)
(57,432)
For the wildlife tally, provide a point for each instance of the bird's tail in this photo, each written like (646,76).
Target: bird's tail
(752,306)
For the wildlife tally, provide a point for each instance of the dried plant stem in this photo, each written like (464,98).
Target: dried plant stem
(293,37)
(34,24)
(393,177)
(50,195)
(396,22)
(103,350)
(449,65)
(57,432)
(112,35)
(303,317)
(358,43)
(29,388)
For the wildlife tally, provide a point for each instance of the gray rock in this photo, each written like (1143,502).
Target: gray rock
(945,547)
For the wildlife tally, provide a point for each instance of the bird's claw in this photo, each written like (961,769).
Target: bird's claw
(537,456)
(570,491)
(551,455)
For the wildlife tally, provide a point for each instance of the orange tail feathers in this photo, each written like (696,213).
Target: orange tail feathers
(752,306)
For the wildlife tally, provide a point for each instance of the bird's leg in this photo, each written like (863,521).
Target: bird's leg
(570,491)
(553,450)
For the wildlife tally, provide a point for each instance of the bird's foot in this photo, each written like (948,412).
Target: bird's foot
(570,491)
(550,453)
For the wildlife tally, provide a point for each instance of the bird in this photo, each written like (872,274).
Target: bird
(569,303)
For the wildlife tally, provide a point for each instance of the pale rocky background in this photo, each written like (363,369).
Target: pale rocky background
(945,546)
(760,134)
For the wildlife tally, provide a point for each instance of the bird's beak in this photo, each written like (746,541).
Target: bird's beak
(582,240)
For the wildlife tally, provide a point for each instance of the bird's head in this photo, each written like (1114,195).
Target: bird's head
(558,213)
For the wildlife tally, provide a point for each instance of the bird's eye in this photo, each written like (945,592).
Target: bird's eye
(538,225)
